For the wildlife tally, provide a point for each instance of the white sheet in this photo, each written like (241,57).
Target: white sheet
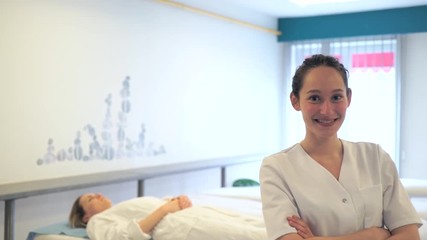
(248,201)
(210,223)
(244,206)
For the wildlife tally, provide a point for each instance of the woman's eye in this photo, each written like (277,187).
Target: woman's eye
(337,98)
(314,98)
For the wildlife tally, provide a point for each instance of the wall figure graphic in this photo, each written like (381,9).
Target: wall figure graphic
(111,144)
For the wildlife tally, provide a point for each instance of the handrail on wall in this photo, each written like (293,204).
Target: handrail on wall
(218,16)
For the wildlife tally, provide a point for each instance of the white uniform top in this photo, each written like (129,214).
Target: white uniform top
(195,223)
(120,222)
(368,192)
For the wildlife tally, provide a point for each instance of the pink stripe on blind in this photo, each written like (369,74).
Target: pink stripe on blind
(367,60)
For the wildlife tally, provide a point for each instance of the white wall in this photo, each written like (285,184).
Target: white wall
(204,88)
(413,108)
(197,83)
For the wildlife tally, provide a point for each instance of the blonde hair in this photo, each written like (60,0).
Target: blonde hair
(76,215)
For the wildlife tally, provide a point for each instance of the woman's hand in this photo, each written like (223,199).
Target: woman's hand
(184,202)
(177,203)
(370,233)
(302,227)
(172,205)
(379,233)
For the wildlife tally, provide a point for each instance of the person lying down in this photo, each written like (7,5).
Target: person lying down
(161,219)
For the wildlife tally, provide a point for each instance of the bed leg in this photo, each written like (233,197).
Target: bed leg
(9,219)
(140,188)
(223,180)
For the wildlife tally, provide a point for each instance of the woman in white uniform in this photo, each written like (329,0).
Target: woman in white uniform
(129,220)
(327,188)
(146,218)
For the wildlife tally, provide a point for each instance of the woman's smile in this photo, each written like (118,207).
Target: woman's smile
(326,121)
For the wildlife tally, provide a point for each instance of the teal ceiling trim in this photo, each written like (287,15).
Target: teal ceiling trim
(391,21)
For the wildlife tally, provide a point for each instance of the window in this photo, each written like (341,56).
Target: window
(373,113)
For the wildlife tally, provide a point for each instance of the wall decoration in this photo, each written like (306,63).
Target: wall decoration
(111,143)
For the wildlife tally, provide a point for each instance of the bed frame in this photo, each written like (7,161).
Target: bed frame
(11,191)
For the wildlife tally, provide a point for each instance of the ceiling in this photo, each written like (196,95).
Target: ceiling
(287,8)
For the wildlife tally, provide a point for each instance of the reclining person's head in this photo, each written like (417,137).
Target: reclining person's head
(85,206)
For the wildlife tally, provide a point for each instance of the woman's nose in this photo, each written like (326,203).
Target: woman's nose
(326,107)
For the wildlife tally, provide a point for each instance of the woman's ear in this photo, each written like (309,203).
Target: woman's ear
(295,101)
(349,92)
(86,218)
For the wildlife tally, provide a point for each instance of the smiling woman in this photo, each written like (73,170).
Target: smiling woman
(322,184)
(372,68)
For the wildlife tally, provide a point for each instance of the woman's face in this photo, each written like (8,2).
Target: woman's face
(323,102)
(93,203)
